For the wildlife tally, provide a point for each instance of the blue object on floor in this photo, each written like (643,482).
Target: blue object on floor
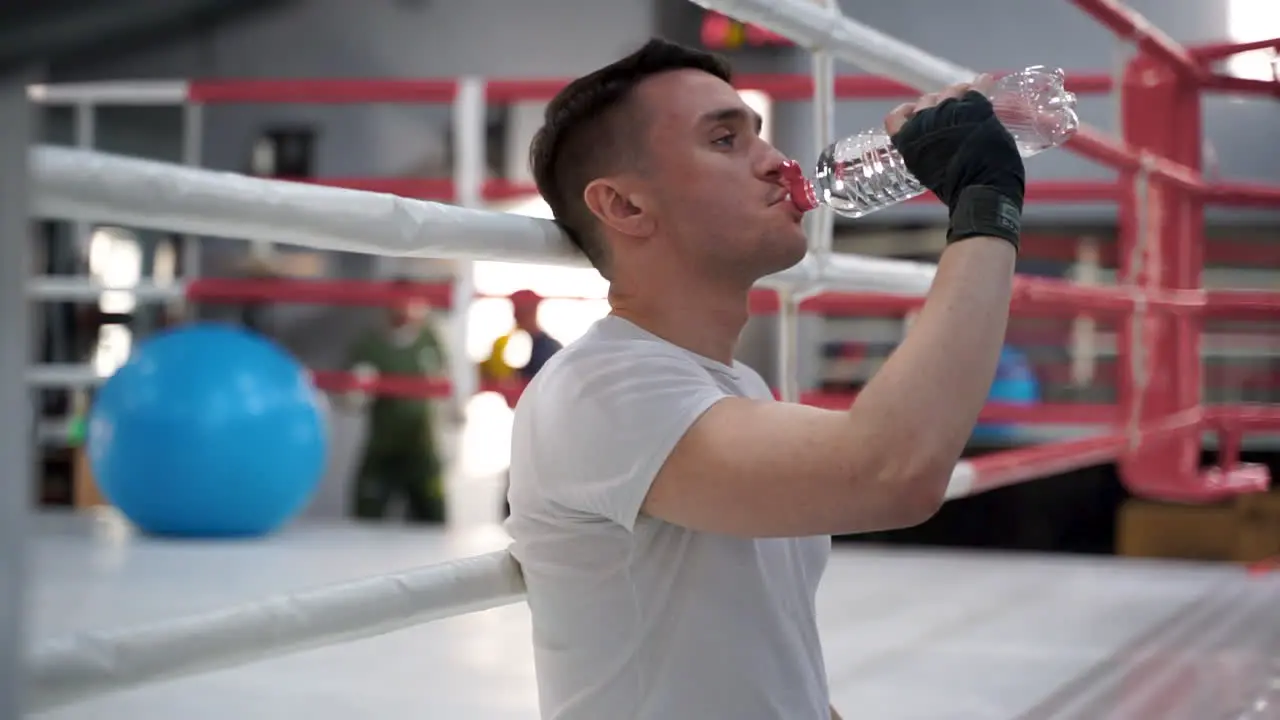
(208,431)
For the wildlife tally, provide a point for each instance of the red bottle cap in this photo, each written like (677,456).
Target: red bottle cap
(803,196)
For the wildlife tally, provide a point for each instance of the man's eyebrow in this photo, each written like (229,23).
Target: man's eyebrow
(732,114)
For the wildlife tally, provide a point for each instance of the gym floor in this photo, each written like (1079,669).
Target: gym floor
(908,633)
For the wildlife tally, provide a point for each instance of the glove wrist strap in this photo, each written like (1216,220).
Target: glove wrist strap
(982,210)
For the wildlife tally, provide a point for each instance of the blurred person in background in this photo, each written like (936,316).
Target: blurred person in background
(497,367)
(400,456)
(524,308)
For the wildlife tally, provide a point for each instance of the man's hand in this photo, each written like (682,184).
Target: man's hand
(956,146)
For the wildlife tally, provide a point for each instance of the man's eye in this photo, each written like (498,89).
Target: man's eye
(724,140)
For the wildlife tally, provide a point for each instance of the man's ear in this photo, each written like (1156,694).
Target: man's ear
(618,207)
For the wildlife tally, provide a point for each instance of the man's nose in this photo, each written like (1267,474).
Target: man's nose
(769,164)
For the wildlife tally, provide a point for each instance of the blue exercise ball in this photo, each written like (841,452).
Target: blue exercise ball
(1015,384)
(208,431)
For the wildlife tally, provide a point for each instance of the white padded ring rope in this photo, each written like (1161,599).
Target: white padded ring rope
(100,187)
(90,664)
(815,27)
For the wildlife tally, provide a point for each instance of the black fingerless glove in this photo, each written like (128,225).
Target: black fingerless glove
(962,152)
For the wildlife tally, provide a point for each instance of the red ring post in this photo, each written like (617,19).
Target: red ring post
(1160,243)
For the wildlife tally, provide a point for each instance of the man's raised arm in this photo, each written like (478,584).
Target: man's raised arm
(753,468)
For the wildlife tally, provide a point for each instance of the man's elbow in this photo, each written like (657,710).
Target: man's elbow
(921,491)
(923,499)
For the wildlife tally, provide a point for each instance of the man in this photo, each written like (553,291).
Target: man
(400,457)
(524,315)
(524,312)
(673,520)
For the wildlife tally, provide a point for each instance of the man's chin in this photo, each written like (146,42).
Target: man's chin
(797,246)
(786,255)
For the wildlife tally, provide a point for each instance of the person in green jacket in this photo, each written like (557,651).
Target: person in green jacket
(400,458)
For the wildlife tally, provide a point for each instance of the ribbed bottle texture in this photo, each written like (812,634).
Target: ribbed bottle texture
(864,173)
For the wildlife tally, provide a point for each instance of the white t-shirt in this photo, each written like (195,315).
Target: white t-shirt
(635,618)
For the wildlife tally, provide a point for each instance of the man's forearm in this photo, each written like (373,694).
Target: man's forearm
(927,395)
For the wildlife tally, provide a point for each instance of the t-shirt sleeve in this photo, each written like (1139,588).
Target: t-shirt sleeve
(606,418)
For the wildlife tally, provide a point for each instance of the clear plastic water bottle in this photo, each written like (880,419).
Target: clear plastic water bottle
(864,173)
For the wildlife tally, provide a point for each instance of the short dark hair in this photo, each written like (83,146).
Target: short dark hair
(585,135)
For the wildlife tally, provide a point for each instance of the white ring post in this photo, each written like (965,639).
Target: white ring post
(86,137)
(15,396)
(822,220)
(788,346)
(820,223)
(468,187)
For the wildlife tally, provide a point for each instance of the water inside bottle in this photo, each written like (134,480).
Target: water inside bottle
(864,173)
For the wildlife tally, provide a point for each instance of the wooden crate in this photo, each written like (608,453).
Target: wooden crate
(1244,530)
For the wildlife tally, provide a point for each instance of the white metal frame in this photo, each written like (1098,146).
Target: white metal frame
(85,98)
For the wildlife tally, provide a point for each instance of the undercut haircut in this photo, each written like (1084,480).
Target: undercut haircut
(589,132)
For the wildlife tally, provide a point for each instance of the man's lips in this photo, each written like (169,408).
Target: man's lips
(800,190)
(784,200)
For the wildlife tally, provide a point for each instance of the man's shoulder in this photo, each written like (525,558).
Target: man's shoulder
(614,370)
(608,353)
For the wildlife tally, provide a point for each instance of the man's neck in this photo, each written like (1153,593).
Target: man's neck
(693,314)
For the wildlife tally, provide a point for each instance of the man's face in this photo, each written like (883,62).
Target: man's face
(718,198)
(408,312)
(525,314)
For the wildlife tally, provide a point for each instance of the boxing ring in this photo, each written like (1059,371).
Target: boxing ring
(907,633)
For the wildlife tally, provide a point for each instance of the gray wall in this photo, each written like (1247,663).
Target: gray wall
(384,39)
